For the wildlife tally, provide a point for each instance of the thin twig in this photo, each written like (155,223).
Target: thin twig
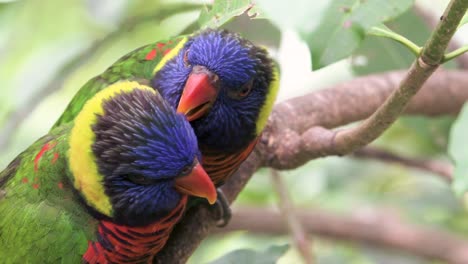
(371,226)
(345,141)
(288,213)
(434,50)
(437,167)
(431,20)
(348,140)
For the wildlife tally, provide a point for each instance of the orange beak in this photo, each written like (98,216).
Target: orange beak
(197,183)
(200,92)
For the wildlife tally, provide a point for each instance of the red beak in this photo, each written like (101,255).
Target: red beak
(200,92)
(197,183)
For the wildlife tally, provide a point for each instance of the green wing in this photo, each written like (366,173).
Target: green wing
(40,218)
(8,173)
(138,65)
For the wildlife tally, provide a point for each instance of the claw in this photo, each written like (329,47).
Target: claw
(222,209)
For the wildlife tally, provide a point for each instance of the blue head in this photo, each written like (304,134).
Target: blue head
(220,81)
(148,156)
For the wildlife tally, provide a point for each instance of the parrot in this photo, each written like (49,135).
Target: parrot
(106,188)
(224,84)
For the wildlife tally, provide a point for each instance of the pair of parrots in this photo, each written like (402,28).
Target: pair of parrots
(168,121)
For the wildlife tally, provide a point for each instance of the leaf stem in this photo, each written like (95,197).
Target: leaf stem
(455,53)
(434,50)
(387,33)
(348,140)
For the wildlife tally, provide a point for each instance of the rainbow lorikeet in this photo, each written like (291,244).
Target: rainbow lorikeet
(225,85)
(107,188)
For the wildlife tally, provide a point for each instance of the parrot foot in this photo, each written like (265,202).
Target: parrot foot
(222,209)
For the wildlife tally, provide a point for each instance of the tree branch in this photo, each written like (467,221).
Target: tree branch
(327,143)
(432,20)
(347,140)
(444,169)
(443,94)
(365,226)
(289,214)
(298,130)
(434,50)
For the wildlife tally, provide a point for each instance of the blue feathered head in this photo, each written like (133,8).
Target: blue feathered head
(220,81)
(148,156)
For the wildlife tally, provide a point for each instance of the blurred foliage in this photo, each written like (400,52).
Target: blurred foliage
(379,54)
(464,20)
(221,12)
(344,26)
(459,152)
(38,39)
(338,27)
(248,256)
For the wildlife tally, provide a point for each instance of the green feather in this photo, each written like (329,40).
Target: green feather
(137,65)
(38,199)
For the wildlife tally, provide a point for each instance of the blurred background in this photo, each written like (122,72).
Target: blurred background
(50,48)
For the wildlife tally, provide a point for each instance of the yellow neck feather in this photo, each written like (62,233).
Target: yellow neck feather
(269,102)
(170,55)
(87,179)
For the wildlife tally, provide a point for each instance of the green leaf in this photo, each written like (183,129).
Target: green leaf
(460,183)
(377,54)
(297,16)
(140,11)
(256,13)
(249,256)
(458,150)
(464,20)
(223,11)
(344,25)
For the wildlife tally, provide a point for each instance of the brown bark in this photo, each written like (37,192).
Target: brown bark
(299,128)
(376,228)
(443,169)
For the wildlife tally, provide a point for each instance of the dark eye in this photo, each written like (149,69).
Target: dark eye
(246,88)
(186,170)
(242,92)
(186,62)
(139,179)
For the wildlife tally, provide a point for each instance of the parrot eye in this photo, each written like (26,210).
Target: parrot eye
(246,89)
(243,91)
(186,170)
(186,62)
(139,179)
